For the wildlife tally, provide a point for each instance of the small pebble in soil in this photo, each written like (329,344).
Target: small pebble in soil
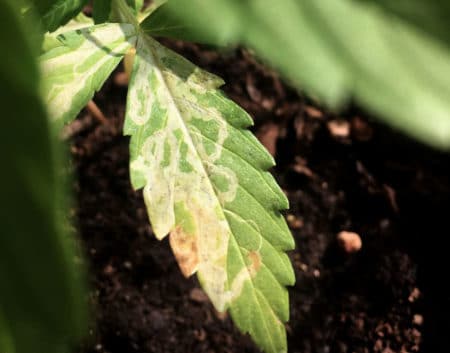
(294,222)
(109,270)
(339,128)
(418,319)
(415,294)
(313,112)
(350,242)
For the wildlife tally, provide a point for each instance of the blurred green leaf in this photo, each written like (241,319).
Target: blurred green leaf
(163,23)
(136,5)
(147,10)
(104,10)
(340,50)
(42,306)
(55,13)
(6,343)
(431,16)
(101,11)
(41,6)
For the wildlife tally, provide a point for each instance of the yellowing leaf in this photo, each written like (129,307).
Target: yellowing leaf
(79,66)
(206,183)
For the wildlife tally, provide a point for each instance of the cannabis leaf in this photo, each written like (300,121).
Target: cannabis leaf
(51,40)
(102,9)
(42,300)
(205,182)
(79,66)
(135,5)
(336,50)
(430,16)
(55,13)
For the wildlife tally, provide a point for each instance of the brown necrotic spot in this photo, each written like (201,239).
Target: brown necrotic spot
(184,247)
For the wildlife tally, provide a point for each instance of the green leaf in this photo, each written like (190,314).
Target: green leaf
(101,11)
(55,13)
(135,5)
(206,183)
(338,50)
(165,21)
(79,66)
(431,16)
(6,340)
(147,10)
(106,10)
(42,300)
(162,23)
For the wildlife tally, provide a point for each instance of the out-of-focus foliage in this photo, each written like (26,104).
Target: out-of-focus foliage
(431,16)
(391,57)
(55,13)
(42,305)
(102,9)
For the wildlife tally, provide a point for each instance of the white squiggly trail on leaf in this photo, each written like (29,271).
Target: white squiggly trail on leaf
(205,182)
(175,174)
(73,70)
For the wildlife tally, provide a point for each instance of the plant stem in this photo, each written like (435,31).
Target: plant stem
(96,112)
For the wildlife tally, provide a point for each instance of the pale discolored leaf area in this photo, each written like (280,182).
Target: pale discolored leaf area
(206,183)
(75,69)
(51,39)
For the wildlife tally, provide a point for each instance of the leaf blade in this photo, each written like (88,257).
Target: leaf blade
(51,40)
(200,186)
(430,16)
(42,306)
(55,13)
(78,67)
(101,11)
(399,71)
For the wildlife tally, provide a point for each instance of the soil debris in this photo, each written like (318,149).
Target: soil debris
(350,242)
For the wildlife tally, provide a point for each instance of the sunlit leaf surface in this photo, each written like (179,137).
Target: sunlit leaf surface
(206,183)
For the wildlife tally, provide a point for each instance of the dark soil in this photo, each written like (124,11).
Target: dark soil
(340,172)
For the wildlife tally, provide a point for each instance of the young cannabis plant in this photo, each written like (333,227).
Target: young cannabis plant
(203,174)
